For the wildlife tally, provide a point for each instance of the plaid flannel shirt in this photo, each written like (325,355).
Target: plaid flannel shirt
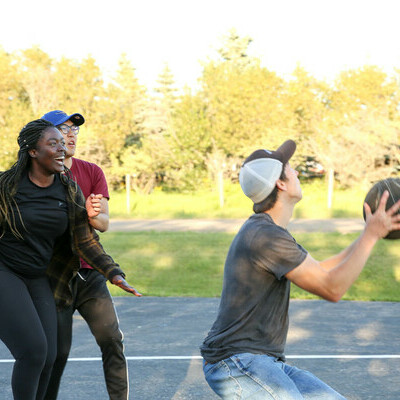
(80,240)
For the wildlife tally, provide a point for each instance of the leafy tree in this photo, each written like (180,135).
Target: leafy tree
(14,108)
(188,142)
(35,68)
(360,126)
(245,102)
(122,119)
(181,140)
(78,86)
(150,160)
(166,88)
(306,104)
(365,88)
(234,49)
(359,153)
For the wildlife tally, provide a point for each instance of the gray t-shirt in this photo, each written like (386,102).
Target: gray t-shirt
(253,312)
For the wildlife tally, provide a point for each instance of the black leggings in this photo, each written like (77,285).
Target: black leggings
(28,327)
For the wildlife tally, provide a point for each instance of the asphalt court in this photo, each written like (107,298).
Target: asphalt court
(353,346)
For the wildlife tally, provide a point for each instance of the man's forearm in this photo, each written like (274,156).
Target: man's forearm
(333,261)
(348,270)
(100,222)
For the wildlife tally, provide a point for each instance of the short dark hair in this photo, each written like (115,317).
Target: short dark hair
(271,199)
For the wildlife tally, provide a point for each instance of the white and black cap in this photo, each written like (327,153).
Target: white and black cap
(262,169)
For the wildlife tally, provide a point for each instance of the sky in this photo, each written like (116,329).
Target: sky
(323,36)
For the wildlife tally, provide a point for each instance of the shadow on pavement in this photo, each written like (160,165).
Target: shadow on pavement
(353,346)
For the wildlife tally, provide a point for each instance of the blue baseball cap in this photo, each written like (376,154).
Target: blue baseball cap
(58,117)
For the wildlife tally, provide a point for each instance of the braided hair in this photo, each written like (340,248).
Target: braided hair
(27,140)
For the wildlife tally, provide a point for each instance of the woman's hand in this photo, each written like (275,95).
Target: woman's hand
(119,281)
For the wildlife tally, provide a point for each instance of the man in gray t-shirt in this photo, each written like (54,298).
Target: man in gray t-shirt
(244,350)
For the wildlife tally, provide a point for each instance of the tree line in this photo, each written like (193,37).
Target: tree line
(180,140)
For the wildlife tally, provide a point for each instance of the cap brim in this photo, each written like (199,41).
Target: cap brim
(76,118)
(286,150)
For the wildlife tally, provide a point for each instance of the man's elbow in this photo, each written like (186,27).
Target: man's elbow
(103,227)
(100,223)
(333,295)
(333,299)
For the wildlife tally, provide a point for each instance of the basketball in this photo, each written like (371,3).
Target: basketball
(392,185)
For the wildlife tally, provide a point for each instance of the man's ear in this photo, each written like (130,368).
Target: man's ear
(281,185)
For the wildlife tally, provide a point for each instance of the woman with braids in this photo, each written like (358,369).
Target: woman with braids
(43,220)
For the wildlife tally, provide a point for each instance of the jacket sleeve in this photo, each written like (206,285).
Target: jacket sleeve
(85,241)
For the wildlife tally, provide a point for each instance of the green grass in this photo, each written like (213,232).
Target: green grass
(206,203)
(314,204)
(379,280)
(191,264)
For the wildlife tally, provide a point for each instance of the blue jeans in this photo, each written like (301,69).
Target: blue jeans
(258,376)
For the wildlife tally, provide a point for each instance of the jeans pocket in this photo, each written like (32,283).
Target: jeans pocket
(209,368)
(244,361)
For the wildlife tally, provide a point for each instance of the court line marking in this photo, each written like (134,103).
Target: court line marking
(309,357)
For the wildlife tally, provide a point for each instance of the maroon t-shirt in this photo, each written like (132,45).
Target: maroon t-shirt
(90,179)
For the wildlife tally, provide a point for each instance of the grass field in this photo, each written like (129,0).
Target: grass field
(191,264)
(206,203)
